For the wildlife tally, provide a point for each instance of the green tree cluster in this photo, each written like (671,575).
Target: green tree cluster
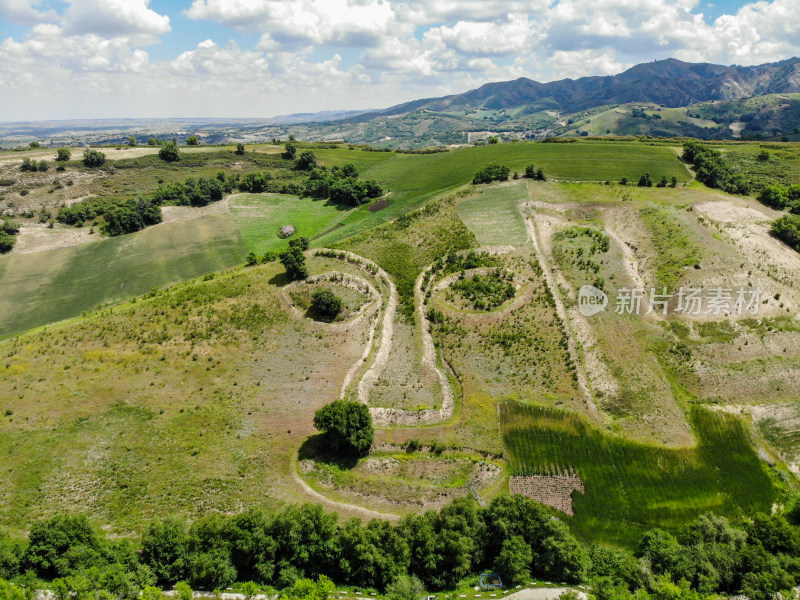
(491,172)
(787,229)
(304,549)
(33,166)
(8,229)
(195,191)
(781,197)
(531,172)
(192,140)
(341,185)
(63,154)
(711,169)
(131,215)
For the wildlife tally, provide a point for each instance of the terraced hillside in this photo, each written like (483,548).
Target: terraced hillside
(461,330)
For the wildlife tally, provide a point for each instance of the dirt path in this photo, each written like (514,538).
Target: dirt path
(525,211)
(334,504)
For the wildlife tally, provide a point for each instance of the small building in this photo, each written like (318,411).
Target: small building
(490,581)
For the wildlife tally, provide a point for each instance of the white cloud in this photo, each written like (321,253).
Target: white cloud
(25,12)
(114,18)
(578,63)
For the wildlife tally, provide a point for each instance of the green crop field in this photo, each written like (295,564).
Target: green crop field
(51,285)
(260,217)
(493,216)
(631,487)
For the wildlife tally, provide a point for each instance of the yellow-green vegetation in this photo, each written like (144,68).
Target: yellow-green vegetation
(188,401)
(261,216)
(632,487)
(494,217)
(52,285)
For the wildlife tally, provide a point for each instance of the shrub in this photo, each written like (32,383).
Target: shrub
(192,140)
(491,172)
(307,161)
(240,149)
(169,152)
(645,181)
(787,229)
(326,304)
(347,425)
(6,242)
(93,158)
(775,196)
(63,154)
(289,150)
(530,172)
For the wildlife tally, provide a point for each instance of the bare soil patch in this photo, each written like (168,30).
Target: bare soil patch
(552,490)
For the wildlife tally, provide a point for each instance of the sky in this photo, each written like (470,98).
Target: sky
(82,59)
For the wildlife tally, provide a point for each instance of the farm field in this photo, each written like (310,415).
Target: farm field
(493,216)
(633,487)
(52,285)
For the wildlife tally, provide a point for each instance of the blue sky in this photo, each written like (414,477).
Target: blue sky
(257,58)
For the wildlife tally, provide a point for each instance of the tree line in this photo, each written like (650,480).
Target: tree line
(512,535)
(712,170)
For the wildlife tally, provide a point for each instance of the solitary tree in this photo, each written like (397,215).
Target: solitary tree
(347,425)
(530,172)
(93,158)
(34,144)
(307,161)
(131,141)
(192,140)
(290,150)
(295,263)
(645,181)
(326,304)
(63,154)
(240,149)
(169,152)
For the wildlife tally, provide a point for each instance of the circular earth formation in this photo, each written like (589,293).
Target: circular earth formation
(287,231)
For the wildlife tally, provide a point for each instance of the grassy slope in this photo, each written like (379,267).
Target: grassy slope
(493,215)
(42,287)
(259,218)
(414,178)
(189,401)
(631,487)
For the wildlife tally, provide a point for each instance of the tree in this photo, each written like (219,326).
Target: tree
(530,171)
(93,158)
(540,175)
(34,145)
(10,592)
(292,137)
(251,260)
(662,183)
(307,161)
(763,156)
(151,593)
(787,229)
(623,181)
(153,141)
(775,196)
(494,140)
(42,166)
(165,549)
(6,242)
(405,587)
(514,561)
(308,589)
(289,150)
(299,242)
(211,570)
(645,181)
(240,149)
(673,182)
(192,140)
(347,425)
(63,154)
(61,546)
(294,261)
(132,141)
(491,172)
(326,304)
(169,152)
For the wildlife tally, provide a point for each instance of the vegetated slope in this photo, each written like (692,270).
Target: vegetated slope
(43,287)
(631,487)
(189,401)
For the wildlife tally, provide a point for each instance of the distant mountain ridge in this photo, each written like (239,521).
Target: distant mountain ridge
(669,82)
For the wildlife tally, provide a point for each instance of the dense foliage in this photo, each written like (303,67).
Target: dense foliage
(347,426)
(294,261)
(33,166)
(8,229)
(93,158)
(341,185)
(512,535)
(491,172)
(63,154)
(484,292)
(169,152)
(195,191)
(787,229)
(781,197)
(711,169)
(326,304)
(131,215)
